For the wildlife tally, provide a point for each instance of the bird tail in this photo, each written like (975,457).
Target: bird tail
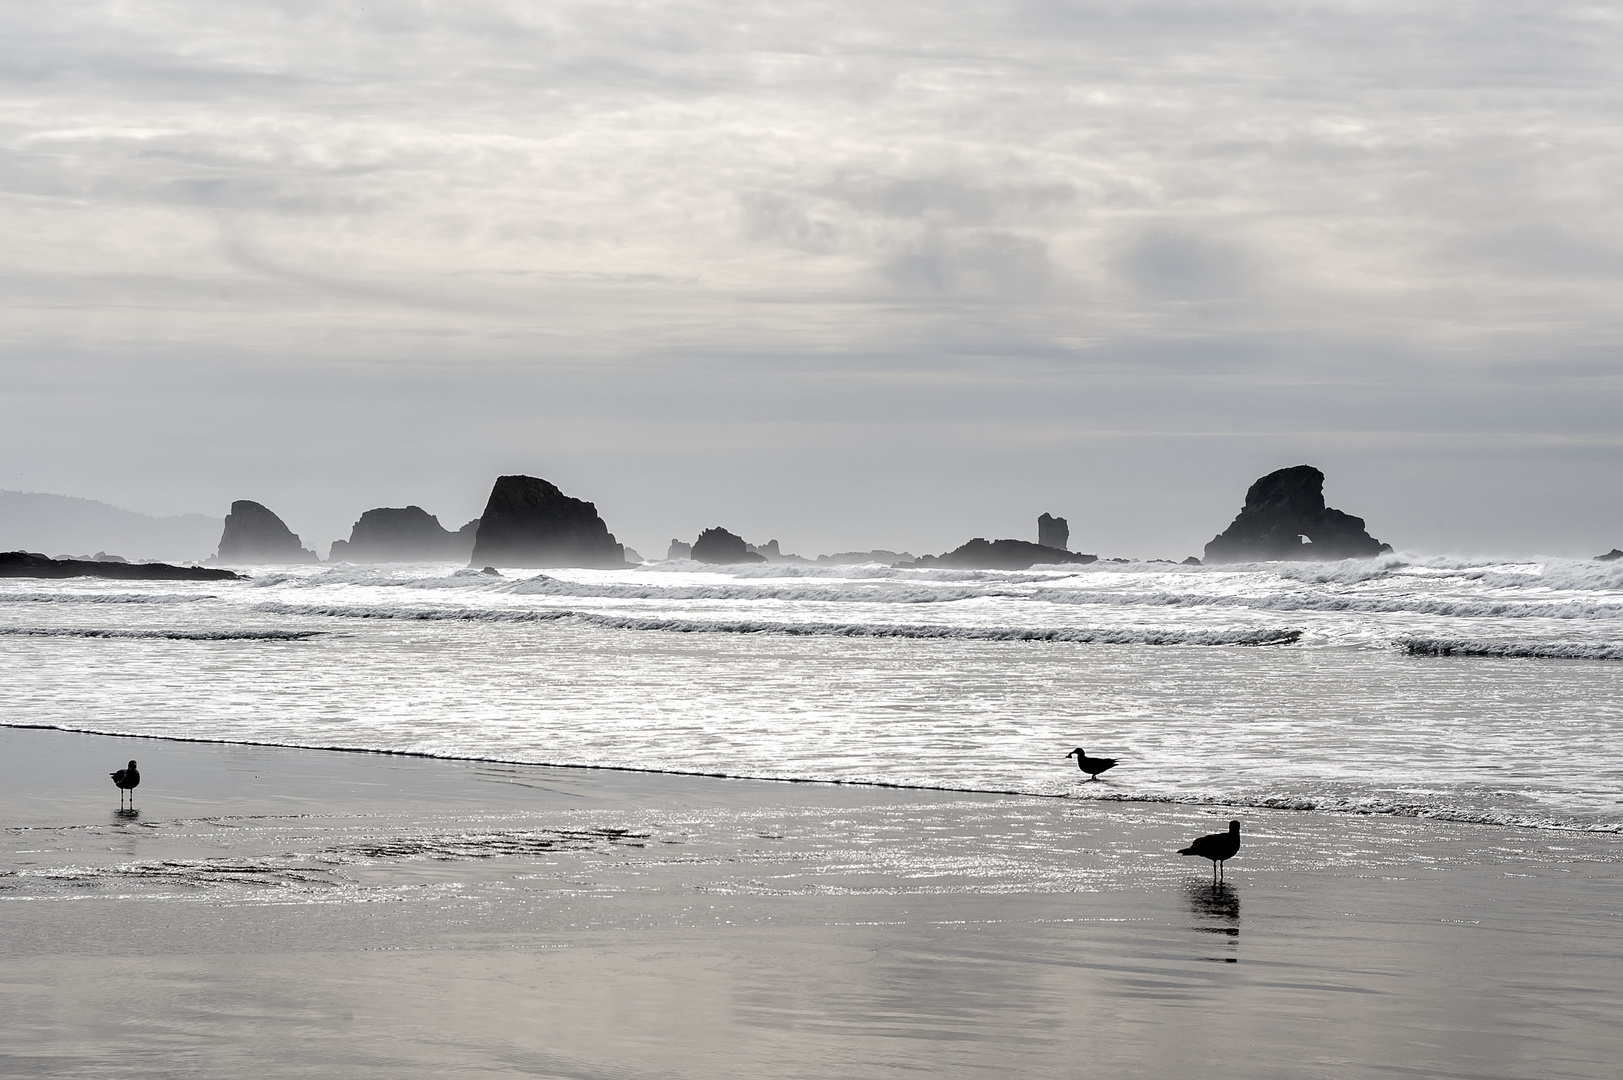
(1187,851)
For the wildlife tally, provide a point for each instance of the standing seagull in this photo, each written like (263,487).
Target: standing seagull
(1093,766)
(1218,847)
(127,779)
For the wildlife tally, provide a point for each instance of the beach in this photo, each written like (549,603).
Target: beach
(289,912)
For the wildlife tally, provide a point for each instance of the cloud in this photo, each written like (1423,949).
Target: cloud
(1125,217)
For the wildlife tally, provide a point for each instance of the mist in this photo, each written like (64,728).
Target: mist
(841,276)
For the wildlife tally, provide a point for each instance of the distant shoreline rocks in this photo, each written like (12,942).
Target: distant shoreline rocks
(253,534)
(1610,556)
(1284,518)
(407,534)
(28,564)
(718,547)
(982,554)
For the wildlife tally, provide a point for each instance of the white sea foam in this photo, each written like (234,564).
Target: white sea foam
(1385,689)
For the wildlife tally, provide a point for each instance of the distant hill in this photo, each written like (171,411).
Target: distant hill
(62,525)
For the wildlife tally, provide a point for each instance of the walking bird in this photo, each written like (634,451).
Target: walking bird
(127,779)
(1218,847)
(1093,766)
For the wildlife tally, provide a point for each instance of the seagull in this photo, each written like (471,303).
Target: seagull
(1093,766)
(127,779)
(1218,847)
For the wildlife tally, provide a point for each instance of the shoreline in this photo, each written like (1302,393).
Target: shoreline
(417,916)
(1271,804)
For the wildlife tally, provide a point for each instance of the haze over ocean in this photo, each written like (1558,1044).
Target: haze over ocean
(840,275)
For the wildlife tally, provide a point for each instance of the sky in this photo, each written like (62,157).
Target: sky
(848,275)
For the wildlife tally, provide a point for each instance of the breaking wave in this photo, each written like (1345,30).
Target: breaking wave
(172,635)
(99,598)
(1083,635)
(1512,650)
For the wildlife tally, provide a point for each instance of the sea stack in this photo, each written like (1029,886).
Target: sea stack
(410,534)
(982,554)
(1284,518)
(1054,532)
(679,550)
(1610,556)
(255,535)
(528,522)
(720,547)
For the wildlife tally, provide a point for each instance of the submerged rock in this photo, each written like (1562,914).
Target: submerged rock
(26,564)
(409,534)
(981,554)
(1284,518)
(1610,556)
(1054,532)
(721,548)
(529,522)
(255,535)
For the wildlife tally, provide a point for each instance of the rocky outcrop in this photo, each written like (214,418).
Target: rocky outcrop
(1054,532)
(1610,556)
(858,558)
(26,564)
(679,550)
(389,534)
(1284,518)
(981,554)
(721,548)
(255,535)
(529,522)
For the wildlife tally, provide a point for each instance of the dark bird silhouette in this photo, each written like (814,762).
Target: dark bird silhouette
(1093,766)
(127,779)
(1218,847)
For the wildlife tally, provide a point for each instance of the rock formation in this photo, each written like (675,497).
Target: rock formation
(412,534)
(529,522)
(26,564)
(679,550)
(980,554)
(1610,556)
(857,558)
(255,535)
(1284,518)
(721,548)
(1053,532)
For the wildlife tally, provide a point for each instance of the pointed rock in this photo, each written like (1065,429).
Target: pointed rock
(255,535)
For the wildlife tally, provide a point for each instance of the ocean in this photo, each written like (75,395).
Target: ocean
(1462,690)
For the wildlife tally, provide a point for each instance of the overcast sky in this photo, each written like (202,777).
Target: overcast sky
(843,274)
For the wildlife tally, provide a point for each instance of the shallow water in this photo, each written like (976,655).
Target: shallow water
(1470,691)
(275,912)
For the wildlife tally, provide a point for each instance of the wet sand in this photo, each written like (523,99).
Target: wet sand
(291,913)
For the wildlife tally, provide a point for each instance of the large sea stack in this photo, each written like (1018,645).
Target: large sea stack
(721,548)
(255,535)
(529,522)
(1284,518)
(412,534)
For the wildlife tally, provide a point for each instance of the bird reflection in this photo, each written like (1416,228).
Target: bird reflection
(1216,907)
(128,813)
